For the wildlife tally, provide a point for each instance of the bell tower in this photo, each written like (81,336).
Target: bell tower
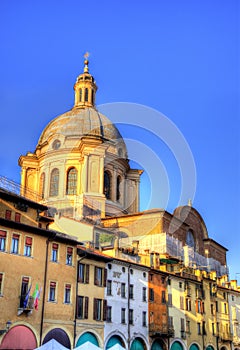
(85,88)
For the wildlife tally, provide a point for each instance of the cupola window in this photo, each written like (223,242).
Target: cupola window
(80,95)
(118,193)
(42,185)
(54,183)
(72,181)
(107,184)
(86,95)
(190,239)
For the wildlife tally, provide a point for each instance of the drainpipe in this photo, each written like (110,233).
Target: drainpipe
(75,318)
(128,306)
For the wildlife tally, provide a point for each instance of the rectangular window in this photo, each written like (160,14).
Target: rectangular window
(163,297)
(199,328)
(225,310)
(188,304)
(54,252)
(204,328)
(169,299)
(67,294)
(109,314)
(83,273)
(24,292)
(188,326)
(144,294)
(17,217)
(151,294)
(123,290)
(97,309)
(69,256)
(181,303)
(52,291)
(213,329)
(144,319)
(199,306)
(123,315)
(28,246)
(212,309)
(216,303)
(170,322)
(3,237)
(1,283)
(15,244)
(183,334)
(82,307)
(131,291)
(131,316)
(100,275)
(8,214)
(109,287)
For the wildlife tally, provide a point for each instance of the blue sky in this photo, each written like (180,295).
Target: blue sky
(180,58)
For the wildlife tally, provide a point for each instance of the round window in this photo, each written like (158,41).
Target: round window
(56,144)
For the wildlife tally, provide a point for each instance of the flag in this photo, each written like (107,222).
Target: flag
(27,297)
(36,295)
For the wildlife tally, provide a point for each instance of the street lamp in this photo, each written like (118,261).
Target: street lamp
(8,325)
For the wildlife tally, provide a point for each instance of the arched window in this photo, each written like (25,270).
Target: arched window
(93,97)
(190,239)
(80,95)
(107,184)
(86,95)
(42,185)
(54,182)
(71,181)
(118,193)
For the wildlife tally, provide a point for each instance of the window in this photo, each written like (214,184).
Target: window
(24,292)
(107,184)
(199,306)
(86,95)
(180,284)
(54,182)
(213,329)
(69,256)
(199,328)
(151,294)
(109,314)
(52,291)
(169,299)
(56,144)
(17,217)
(1,283)
(54,252)
(100,275)
(204,328)
(144,294)
(80,95)
(3,237)
(28,246)
(82,307)
(188,304)
(118,194)
(97,309)
(182,324)
(216,303)
(131,316)
(212,309)
(67,294)
(131,291)
(181,303)
(72,181)
(15,244)
(8,214)
(123,290)
(190,239)
(163,297)
(188,330)
(170,322)
(123,315)
(109,287)
(83,273)
(42,185)
(144,319)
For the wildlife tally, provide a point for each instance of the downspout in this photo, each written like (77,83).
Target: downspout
(75,318)
(128,306)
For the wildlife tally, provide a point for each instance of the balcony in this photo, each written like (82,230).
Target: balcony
(183,334)
(160,330)
(224,336)
(29,307)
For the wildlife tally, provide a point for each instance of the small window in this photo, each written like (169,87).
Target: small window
(131,291)
(144,294)
(3,237)
(8,214)
(144,274)
(100,276)
(15,244)
(123,290)
(109,287)
(28,246)
(72,181)
(97,310)
(131,316)
(123,269)
(25,291)
(198,328)
(131,271)
(151,294)
(144,319)
(107,184)
(54,183)
(17,217)
(118,192)
(163,297)
(109,314)
(56,144)
(52,291)
(180,284)
(109,266)
(169,299)
(1,283)
(42,185)
(69,257)
(67,295)
(82,307)
(83,273)
(86,95)
(80,95)
(123,316)
(54,252)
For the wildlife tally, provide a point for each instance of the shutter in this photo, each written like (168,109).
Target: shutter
(25,279)
(68,286)
(69,250)
(104,310)
(3,233)
(87,274)
(86,307)
(105,278)
(94,308)
(53,284)
(15,236)
(8,214)
(196,305)
(95,276)
(28,241)
(55,246)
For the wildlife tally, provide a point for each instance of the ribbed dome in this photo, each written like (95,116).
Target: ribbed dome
(79,123)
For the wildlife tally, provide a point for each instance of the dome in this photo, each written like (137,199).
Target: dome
(78,123)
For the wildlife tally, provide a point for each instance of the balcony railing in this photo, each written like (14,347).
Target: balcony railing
(28,308)
(161,330)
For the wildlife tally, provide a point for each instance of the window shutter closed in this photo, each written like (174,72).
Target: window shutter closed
(87,274)
(95,276)
(105,278)
(94,308)
(86,307)
(104,310)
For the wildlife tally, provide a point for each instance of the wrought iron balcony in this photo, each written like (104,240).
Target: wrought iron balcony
(160,330)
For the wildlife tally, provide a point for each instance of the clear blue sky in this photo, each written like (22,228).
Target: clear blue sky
(178,57)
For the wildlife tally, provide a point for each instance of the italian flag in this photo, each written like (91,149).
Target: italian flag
(36,295)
